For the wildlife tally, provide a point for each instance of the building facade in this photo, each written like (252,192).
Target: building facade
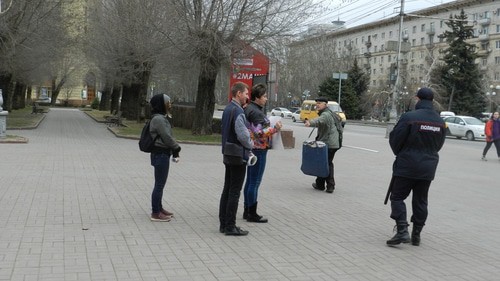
(375,46)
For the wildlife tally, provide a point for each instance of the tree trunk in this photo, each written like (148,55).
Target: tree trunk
(205,97)
(105,102)
(116,93)
(133,97)
(19,96)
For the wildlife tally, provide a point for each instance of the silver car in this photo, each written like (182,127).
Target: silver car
(281,111)
(465,126)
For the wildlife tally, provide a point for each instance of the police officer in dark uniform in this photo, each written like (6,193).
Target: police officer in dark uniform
(415,140)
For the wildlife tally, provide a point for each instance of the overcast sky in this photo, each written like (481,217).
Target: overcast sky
(357,12)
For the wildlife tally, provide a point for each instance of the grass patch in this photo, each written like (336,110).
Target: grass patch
(22,118)
(133,130)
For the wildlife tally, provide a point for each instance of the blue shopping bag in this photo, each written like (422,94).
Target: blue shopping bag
(315,159)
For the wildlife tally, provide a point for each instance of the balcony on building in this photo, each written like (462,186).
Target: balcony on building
(483,52)
(430,31)
(368,44)
(484,37)
(485,21)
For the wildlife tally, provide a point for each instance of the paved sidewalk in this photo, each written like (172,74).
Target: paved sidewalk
(75,204)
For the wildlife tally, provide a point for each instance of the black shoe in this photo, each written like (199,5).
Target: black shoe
(235,231)
(315,186)
(221,229)
(330,189)
(402,235)
(256,218)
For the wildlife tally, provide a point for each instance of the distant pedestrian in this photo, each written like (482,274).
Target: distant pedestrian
(261,132)
(329,131)
(492,132)
(165,146)
(415,140)
(236,147)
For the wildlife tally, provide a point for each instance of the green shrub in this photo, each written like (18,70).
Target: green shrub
(95,103)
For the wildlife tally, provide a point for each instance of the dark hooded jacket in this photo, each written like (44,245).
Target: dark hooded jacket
(160,127)
(416,140)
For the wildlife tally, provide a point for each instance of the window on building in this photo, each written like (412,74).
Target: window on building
(474,16)
(497,44)
(484,62)
(414,42)
(382,59)
(497,60)
(414,29)
(485,30)
(441,39)
(498,28)
(382,48)
(374,82)
(431,39)
(374,59)
(412,68)
(374,71)
(375,48)
(422,41)
(412,55)
(389,58)
(441,24)
(383,35)
(356,41)
(390,34)
(498,13)
(362,39)
(487,14)
(497,76)
(422,54)
(381,70)
(422,27)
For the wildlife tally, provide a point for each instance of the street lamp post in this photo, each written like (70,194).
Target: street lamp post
(491,95)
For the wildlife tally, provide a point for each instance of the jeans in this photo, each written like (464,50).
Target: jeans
(233,182)
(488,145)
(161,164)
(401,188)
(254,177)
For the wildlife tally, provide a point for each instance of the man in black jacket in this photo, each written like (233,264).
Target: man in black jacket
(416,140)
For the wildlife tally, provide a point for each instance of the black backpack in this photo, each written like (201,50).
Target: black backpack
(146,142)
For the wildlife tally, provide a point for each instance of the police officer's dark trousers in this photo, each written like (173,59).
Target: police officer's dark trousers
(401,190)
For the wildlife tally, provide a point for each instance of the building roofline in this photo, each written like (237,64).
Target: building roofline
(390,21)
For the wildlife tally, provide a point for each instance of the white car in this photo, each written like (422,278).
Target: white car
(465,126)
(281,111)
(296,116)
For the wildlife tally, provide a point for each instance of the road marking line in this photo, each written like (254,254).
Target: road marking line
(361,148)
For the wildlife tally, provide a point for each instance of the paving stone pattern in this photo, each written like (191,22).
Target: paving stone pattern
(75,205)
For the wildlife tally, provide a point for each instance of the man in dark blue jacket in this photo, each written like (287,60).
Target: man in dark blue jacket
(236,145)
(415,140)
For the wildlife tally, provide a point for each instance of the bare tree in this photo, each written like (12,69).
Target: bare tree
(130,39)
(214,28)
(30,33)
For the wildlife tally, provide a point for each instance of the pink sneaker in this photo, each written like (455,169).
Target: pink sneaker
(160,217)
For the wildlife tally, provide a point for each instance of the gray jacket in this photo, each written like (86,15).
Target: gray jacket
(327,128)
(161,131)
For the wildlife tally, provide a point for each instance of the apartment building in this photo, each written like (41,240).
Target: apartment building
(375,45)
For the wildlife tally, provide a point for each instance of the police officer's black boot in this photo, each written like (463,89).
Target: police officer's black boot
(402,236)
(415,234)
(245,212)
(253,216)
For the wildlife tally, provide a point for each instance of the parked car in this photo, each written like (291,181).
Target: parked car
(281,111)
(296,116)
(465,126)
(485,116)
(445,114)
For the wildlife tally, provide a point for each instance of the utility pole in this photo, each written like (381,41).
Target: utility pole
(393,114)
